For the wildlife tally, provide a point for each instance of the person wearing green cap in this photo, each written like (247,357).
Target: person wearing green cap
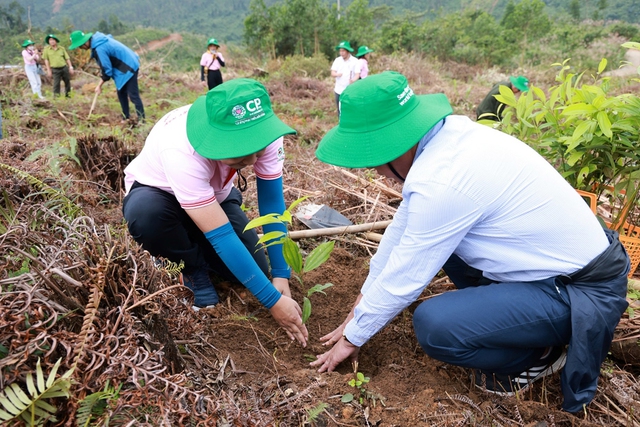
(363,59)
(31,56)
(58,64)
(492,109)
(117,62)
(345,69)
(210,64)
(181,203)
(534,269)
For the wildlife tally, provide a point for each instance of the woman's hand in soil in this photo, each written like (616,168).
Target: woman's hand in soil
(288,314)
(339,352)
(282,285)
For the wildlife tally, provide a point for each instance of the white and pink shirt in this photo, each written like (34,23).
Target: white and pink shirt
(207,60)
(364,68)
(169,162)
(30,57)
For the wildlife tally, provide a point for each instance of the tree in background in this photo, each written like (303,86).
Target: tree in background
(574,10)
(524,23)
(113,26)
(11,19)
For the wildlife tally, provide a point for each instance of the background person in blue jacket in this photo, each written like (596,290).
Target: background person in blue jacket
(117,62)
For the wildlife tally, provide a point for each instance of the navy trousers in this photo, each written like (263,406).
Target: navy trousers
(498,327)
(157,221)
(131,91)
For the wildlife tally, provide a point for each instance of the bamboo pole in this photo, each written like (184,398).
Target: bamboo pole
(349,229)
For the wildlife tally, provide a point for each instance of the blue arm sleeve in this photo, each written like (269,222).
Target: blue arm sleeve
(271,200)
(238,259)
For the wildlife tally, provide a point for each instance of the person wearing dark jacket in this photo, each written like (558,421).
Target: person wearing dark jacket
(117,62)
(492,109)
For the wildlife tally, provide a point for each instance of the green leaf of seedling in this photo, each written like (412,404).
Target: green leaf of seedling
(602,65)
(295,203)
(352,382)
(346,398)
(318,288)
(292,255)
(318,256)
(272,235)
(306,309)
(266,219)
(605,124)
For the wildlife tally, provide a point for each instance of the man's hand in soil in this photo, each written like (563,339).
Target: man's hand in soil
(288,314)
(342,350)
(333,337)
(282,285)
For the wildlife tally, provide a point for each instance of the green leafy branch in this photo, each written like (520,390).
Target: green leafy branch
(292,253)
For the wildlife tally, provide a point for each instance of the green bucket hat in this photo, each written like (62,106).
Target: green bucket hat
(363,50)
(213,41)
(521,83)
(50,36)
(233,119)
(345,45)
(380,120)
(27,42)
(78,38)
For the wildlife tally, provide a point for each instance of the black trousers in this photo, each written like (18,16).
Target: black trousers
(214,78)
(130,91)
(157,221)
(58,74)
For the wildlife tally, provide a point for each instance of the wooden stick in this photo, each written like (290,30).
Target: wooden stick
(349,229)
(93,104)
(374,237)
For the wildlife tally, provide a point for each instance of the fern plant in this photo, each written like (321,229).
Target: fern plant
(65,204)
(94,404)
(33,409)
(313,413)
(292,253)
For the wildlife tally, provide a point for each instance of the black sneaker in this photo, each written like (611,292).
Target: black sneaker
(509,385)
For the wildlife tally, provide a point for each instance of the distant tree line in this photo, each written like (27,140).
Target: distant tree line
(474,36)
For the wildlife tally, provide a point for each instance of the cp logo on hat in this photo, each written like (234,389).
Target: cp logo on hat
(254,105)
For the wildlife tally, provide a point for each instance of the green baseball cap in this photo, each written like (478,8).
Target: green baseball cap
(345,45)
(521,83)
(380,120)
(363,50)
(213,41)
(78,38)
(27,42)
(50,36)
(233,119)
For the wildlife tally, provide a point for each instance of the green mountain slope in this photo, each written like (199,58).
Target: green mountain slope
(224,19)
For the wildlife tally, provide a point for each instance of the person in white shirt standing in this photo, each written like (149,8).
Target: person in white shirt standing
(534,269)
(345,69)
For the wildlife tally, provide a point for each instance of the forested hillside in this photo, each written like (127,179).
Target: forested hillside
(224,19)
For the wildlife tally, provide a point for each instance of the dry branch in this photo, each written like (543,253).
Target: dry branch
(349,229)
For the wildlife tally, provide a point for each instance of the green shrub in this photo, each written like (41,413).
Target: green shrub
(590,136)
(316,66)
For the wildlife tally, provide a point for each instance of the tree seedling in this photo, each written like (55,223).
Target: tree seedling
(359,382)
(292,253)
